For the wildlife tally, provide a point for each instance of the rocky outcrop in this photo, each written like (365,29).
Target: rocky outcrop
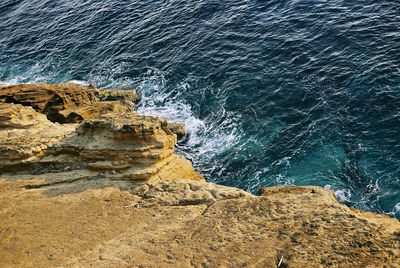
(117,95)
(125,146)
(110,192)
(178,129)
(26,134)
(69,103)
(120,146)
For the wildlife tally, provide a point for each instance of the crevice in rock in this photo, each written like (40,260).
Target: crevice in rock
(205,210)
(38,186)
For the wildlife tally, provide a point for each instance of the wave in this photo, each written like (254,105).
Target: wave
(207,138)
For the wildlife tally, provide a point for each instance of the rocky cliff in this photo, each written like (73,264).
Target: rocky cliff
(85,181)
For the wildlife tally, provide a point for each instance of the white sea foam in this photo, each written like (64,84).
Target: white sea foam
(13,81)
(343,195)
(282,179)
(31,75)
(284,161)
(396,209)
(78,82)
(205,140)
(327,187)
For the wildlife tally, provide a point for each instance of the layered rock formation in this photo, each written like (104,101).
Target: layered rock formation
(68,103)
(119,144)
(110,192)
(26,134)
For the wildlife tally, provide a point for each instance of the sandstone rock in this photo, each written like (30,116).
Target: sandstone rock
(67,102)
(184,192)
(138,147)
(118,94)
(124,146)
(25,133)
(178,129)
(48,99)
(18,116)
(185,223)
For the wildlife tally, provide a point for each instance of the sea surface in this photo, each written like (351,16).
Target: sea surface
(271,92)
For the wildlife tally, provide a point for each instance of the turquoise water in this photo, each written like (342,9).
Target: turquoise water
(272,92)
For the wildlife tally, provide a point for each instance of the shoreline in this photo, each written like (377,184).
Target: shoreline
(87,181)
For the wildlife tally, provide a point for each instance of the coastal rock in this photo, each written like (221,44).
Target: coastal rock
(67,102)
(118,94)
(183,193)
(26,134)
(178,129)
(121,146)
(126,146)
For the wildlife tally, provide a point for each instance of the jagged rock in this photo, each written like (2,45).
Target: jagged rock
(48,99)
(178,129)
(93,86)
(134,147)
(65,103)
(124,146)
(25,134)
(118,94)
(18,116)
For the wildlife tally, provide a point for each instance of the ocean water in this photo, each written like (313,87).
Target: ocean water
(271,92)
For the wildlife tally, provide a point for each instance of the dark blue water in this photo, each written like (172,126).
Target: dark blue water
(272,92)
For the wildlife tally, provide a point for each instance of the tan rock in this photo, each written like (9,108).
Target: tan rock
(109,193)
(139,147)
(18,116)
(68,102)
(178,129)
(118,94)
(25,134)
(184,192)
(185,223)
(123,146)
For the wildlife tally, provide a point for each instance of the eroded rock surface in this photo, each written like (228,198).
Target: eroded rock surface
(26,134)
(120,146)
(184,223)
(117,94)
(126,146)
(68,102)
(110,192)
(178,129)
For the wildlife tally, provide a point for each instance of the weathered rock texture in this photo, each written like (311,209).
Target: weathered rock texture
(185,223)
(178,129)
(69,103)
(120,146)
(126,146)
(26,134)
(110,192)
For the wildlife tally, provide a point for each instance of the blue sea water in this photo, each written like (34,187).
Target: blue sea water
(272,92)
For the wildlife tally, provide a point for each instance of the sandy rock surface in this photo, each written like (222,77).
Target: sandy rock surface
(117,146)
(68,102)
(185,223)
(178,129)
